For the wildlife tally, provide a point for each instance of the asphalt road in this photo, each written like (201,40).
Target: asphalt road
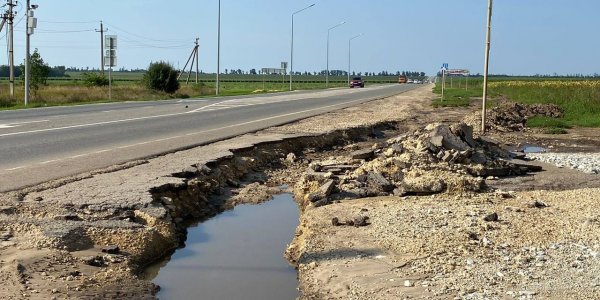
(37,145)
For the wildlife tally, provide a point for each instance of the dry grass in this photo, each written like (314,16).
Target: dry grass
(53,95)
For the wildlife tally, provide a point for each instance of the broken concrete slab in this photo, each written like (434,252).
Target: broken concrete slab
(326,189)
(449,139)
(465,132)
(378,183)
(362,154)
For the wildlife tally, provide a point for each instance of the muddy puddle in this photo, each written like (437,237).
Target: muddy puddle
(235,255)
(534,149)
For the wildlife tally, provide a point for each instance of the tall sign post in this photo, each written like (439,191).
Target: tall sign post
(284,66)
(444,68)
(110,58)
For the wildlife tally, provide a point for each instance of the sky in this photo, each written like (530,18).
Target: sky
(528,36)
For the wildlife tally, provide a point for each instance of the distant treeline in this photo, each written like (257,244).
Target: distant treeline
(58,71)
(61,71)
(583,76)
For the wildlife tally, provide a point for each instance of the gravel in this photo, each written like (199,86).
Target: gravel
(585,162)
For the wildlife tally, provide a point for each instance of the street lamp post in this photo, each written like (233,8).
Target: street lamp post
(292,46)
(328,31)
(349,53)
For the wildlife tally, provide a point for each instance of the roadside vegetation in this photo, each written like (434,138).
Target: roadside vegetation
(578,98)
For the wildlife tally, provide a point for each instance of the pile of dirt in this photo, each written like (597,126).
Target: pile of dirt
(510,116)
(436,159)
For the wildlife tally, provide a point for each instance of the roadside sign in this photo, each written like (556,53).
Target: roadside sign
(461,72)
(110,51)
(110,42)
(110,61)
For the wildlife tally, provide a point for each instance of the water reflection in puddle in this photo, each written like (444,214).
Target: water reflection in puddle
(235,255)
(533,149)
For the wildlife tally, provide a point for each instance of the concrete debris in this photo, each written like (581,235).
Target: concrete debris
(437,159)
(378,183)
(325,189)
(359,221)
(111,249)
(362,154)
(291,157)
(510,116)
(538,204)
(493,217)
(7,210)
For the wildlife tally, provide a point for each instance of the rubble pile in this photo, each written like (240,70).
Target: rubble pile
(436,159)
(510,116)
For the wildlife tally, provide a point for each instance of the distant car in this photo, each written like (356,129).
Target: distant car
(409,81)
(418,81)
(357,82)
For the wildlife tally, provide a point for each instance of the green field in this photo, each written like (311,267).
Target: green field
(579,98)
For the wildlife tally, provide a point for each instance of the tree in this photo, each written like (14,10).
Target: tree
(161,76)
(253,71)
(38,71)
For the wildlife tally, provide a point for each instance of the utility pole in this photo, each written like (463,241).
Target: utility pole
(194,58)
(30,25)
(486,65)
(102,31)
(197,59)
(218,48)
(11,58)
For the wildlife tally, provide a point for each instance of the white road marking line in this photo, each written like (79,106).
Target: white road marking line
(91,124)
(49,161)
(11,125)
(13,169)
(192,100)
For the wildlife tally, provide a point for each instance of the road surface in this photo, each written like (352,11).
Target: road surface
(38,145)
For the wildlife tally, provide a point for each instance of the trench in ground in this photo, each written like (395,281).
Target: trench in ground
(230,254)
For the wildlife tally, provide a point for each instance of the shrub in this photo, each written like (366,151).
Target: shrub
(161,76)
(95,79)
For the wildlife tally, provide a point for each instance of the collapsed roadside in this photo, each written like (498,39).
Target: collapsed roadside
(88,237)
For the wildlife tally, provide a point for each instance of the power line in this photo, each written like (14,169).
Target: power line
(69,22)
(63,31)
(143,37)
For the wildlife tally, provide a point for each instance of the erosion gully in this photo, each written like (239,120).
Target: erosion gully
(228,251)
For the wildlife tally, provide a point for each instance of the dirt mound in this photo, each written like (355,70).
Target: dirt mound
(436,159)
(510,116)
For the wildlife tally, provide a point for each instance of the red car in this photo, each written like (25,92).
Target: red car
(357,82)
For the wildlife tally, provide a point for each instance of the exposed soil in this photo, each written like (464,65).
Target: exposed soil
(59,240)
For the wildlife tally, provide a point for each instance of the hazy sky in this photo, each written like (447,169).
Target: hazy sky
(529,36)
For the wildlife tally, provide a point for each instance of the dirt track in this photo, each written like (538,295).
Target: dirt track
(54,233)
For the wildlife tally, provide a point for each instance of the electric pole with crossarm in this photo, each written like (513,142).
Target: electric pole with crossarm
(102,31)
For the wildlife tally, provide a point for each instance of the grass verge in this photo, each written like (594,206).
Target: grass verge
(579,99)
